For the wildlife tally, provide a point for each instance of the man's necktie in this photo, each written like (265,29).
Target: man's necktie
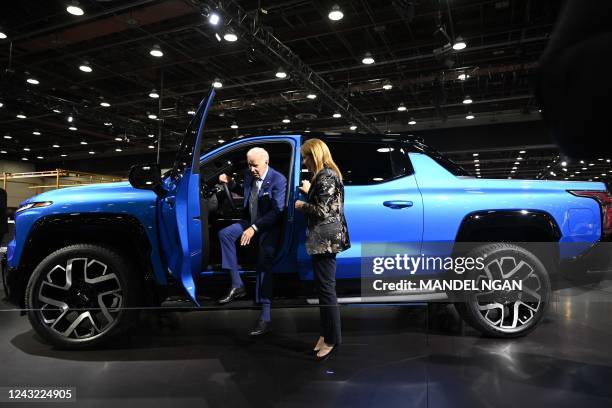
(253,200)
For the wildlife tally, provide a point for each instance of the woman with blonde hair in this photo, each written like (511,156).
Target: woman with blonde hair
(326,235)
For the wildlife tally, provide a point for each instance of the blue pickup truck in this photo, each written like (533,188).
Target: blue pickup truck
(85,259)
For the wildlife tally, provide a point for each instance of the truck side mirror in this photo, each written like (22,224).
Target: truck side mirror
(146,177)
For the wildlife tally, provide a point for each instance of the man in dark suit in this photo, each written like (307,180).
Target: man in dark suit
(264,191)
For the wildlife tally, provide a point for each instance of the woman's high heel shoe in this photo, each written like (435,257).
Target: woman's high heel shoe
(317,346)
(334,350)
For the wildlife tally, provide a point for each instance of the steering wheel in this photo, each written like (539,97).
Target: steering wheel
(228,196)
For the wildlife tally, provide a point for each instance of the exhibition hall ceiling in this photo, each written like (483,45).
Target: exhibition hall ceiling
(108,82)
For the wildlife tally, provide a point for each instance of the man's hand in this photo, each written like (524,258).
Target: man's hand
(248,233)
(299,204)
(224,178)
(305,187)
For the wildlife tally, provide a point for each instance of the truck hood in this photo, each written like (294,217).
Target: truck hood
(101,193)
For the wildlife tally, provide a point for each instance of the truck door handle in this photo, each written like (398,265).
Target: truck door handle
(397,204)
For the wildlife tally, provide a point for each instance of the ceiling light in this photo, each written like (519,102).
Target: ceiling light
(214,18)
(281,73)
(470,116)
(2,36)
(83,142)
(353,127)
(33,81)
(191,112)
(85,67)
(36,132)
(105,104)
(56,146)
(153,94)
(118,149)
(476,164)
(57,111)
(3,151)
(26,149)
(92,152)
(39,157)
(24,158)
(108,124)
(412,122)
(217,83)
(459,44)
(152,116)
(21,115)
(286,120)
(156,51)
(563,164)
(368,58)
(75,9)
(151,147)
(336,115)
(522,152)
(234,125)
(230,36)
(70,118)
(151,135)
(463,77)
(401,107)
(63,155)
(335,14)
(311,96)
(474,154)
(476,160)
(467,100)
(387,86)
(73,128)
(384,149)
(118,139)
(1,104)
(517,162)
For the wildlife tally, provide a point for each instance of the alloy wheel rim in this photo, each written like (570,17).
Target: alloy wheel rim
(80,300)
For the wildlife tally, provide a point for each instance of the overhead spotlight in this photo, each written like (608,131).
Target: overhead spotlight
(470,116)
(191,112)
(24,158)
(108,124)
(286,120)
(3,36)
(36,132)
(8,137)
(118,139)
(230,35)
(153,94)
(475,154)
(563,164)
(118,149)
(335,14)
(522,152)
(467,100)
(75,9)
(234,125)
(156,51)
(281,73)
(353,127)
(221,141)
(73,128)
(152,116)
(105,104)
(32,81)
(401,107)
(57,111)
(217,83)
(151,135)
(85,67)
(213,18)
(63,155)
(463,77)
(26,149)
(336,115)
(151,147)
(412,121)
(311,96)
(459,44)
(70,118)
(91,152)
(3,151)
(1,104)
(56,146)
(39,157)
(387,86)
(368,58)
(21,115)
(83,142)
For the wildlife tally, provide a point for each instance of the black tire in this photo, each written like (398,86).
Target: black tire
(522,309)
(103,295)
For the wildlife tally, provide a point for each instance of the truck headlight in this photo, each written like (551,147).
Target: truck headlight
(35,204)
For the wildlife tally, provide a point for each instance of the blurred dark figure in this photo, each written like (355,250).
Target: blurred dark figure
(573,84)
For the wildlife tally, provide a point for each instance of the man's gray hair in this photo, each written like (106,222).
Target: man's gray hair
(259,151)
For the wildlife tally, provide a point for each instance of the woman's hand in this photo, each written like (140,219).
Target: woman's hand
(299,204)
(305,186)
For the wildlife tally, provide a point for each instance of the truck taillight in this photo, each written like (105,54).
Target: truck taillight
(605,201)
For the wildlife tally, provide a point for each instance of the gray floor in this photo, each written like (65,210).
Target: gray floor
(404,356)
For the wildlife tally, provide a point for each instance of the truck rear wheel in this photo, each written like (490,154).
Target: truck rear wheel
(507,313)
(82,296)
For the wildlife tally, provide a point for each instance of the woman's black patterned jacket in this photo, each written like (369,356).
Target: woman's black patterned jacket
(327,231)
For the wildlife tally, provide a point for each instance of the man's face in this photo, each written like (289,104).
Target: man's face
(257,165)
